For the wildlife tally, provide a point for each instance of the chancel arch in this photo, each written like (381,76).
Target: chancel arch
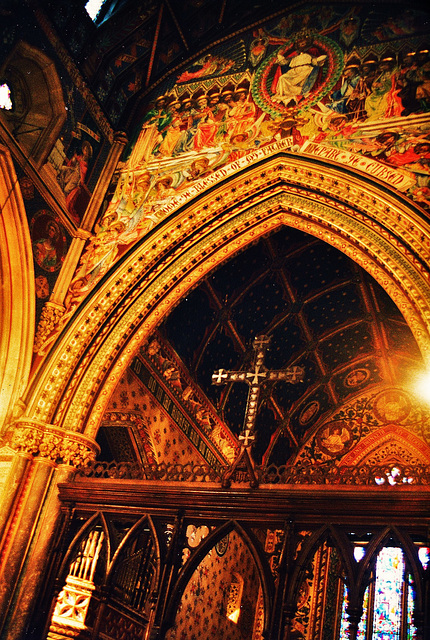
(208,426)
(378,230)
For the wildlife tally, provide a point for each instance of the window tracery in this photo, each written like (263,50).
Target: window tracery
(388,603)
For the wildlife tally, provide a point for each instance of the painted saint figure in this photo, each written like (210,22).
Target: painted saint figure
(154,126)
(298,72)
(72,178)
(341,96)
(383,100)
(45,249)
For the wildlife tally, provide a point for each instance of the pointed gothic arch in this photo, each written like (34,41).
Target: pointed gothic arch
(390,444)
(209,543)
(95,561)
(366,566)
(17,294)
(362,218)
(78,538)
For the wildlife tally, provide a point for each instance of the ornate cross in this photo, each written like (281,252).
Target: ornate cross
(255,378)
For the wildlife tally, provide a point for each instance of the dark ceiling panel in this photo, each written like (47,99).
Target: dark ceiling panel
(321,312)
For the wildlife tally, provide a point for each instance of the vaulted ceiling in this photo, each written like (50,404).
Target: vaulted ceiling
(321,312)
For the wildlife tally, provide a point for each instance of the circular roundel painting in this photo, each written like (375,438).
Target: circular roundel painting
(392,405)
(298,74)
(335,437)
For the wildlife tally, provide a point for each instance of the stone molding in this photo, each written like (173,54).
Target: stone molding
(359,219)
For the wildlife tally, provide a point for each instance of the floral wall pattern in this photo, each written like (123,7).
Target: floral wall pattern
(202,612)
(385,427)
(154,434)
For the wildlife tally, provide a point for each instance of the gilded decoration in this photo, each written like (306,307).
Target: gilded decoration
(389,426)
(46,441)
(224,231)
(49,320)
(298,84)
(172,372)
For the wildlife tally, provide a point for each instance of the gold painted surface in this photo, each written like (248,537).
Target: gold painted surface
(46,441)
(371,227)
(17,292)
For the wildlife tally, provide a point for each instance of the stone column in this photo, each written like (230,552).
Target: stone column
(11,489)
(30,534)
(354,617)
(16,550)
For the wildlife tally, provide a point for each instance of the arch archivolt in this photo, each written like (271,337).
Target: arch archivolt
(17,292)
(378,230)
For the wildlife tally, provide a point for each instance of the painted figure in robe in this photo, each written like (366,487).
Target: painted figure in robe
(298,72)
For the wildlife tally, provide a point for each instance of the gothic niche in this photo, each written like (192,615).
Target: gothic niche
(38,112)
(115,557)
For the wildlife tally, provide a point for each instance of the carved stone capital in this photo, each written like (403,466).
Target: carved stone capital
(120,137)
(59,446)
(83,234)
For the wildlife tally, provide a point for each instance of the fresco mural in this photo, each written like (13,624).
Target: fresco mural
(347,84)
(49,241)
(358,430)
(71,177)
(74,160)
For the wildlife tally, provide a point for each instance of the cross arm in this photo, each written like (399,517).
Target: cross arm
(222,376)
(292,374)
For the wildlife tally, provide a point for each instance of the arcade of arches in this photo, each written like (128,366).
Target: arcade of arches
(215,309)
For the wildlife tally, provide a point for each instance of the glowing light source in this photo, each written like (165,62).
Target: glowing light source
(5,98)
(424,556)
(422,386)
(359,552)
(93,7)
(234,617)
(394,477)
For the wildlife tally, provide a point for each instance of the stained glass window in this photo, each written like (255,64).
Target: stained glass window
(387,610)
(391,590)
(344,624)
(411,629)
